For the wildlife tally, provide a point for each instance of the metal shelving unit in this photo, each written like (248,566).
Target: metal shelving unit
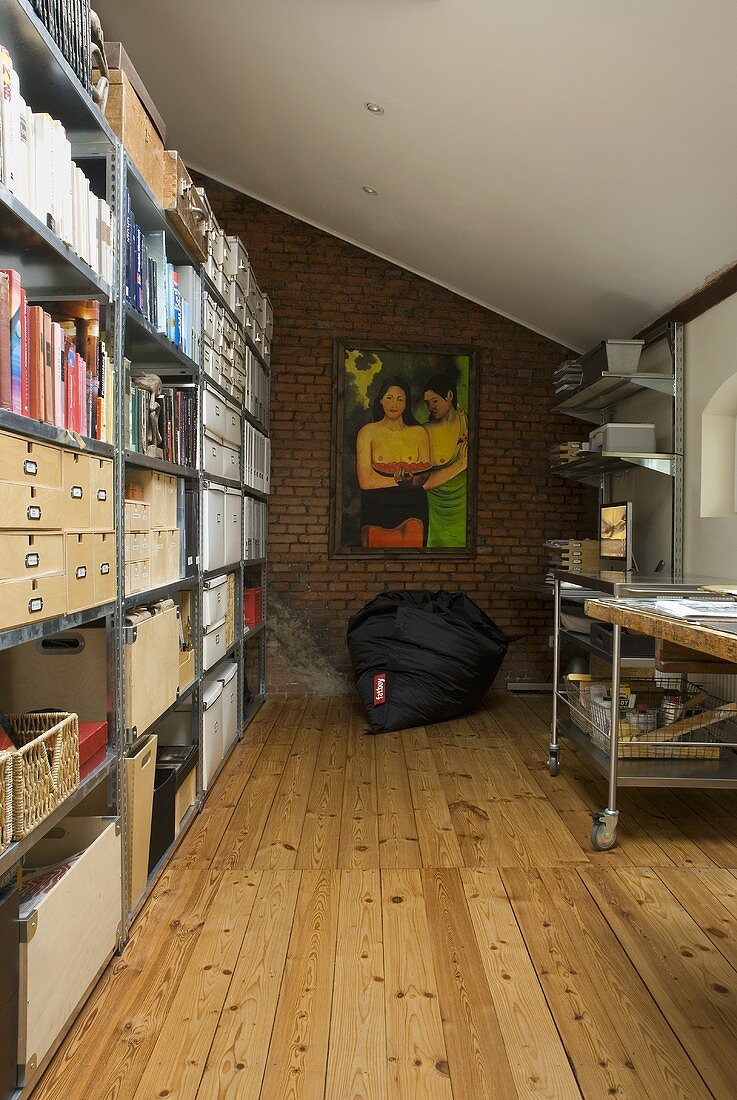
(213,291)
(50,270)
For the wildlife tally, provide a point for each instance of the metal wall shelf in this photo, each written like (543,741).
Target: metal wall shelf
(253,631)
(226,482)
(589,402)
(151,595)
(593,465)
(221,571)
(47,267)
(255,493)
(148,462)
(44,628)
(49,433)
(49,83)
(145,345)
(17,850)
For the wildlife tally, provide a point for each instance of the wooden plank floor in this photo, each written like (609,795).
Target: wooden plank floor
(419,916)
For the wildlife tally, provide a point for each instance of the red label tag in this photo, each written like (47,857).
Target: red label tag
(379,689)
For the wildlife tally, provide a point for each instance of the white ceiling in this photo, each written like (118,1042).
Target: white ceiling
(569,163)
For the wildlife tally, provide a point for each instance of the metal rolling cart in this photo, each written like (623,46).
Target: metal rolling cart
(693,746)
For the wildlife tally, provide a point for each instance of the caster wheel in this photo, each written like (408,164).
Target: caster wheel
(553,764)
(600,840)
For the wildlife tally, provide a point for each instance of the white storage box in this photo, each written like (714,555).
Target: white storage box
(213,458)
(624,438)
(69,932)
(214,527)
(214,644)
(214,601)
(232,434)
(231,457)
(212,729)
(228,674)
(214,415)
(233,516)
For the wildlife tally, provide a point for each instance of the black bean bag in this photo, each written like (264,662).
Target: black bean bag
(423,657)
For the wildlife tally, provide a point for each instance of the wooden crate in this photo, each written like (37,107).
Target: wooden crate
(183,205)
(129,120)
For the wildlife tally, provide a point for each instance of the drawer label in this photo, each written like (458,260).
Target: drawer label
(102,494)
(104,569)
(80,572)
(30,467)
(34,511)
(32,561)
(77,492)
(36,604)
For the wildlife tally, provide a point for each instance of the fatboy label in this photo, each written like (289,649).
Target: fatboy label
(379,689)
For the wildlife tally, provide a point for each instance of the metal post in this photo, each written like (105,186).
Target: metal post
(554,752)
(614,732)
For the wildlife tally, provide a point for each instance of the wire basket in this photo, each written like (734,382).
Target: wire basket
(6,799)
(665,718)
(45,769)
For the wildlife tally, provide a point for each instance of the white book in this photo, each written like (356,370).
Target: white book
(67,201)
(43,126)
(20,181)
(11,121)
(59,178)
(31,147)
(93,213)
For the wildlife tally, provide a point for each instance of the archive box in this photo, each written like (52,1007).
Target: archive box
(151,661)
(228,673)
(32,508)
(24,462)
(76,471)
(31,598)
(140,767)
(231,463)
(101,494)
(233,518)
(63,672)
(624,438)
(214,527)
(159,493)
(80,571)
(214,644)
(213,417)
(214,600)
(213,455)
(69,929)
(212,729)
(30,555)
(105,566)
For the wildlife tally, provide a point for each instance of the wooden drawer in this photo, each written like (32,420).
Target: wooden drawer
(101,494)
(159,558)
(31,508)
(151,665)
(27,463)
(76,484)
(183,205)
(24,600)
(137,545)
(30,555)
(137,516)
(104,546)
(80,571)
(69,933)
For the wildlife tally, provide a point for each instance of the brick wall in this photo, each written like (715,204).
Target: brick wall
(323,289)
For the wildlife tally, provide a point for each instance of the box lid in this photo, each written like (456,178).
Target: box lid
(92,738)
(226,672)
(211,692)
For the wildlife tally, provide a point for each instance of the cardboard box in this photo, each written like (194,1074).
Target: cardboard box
(129,119)
(92,746)
(66,672)
(151,664)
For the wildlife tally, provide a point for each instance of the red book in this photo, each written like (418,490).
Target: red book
(35,362)
(16,341)
(50,408)
(25,401)
(6,393)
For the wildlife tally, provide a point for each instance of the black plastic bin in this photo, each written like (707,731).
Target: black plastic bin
(162,819)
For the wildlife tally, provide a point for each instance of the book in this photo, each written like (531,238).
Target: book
(36,362)
(6,401)
(14,296)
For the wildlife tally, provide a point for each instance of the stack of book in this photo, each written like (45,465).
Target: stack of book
(254,526)
(68,23)
(567,377)
(563,453)
(54,365)
(177,421)
(574,555)
(167,296)
(256,459)
(36,166)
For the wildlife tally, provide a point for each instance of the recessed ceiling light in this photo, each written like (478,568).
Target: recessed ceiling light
(370,190)
(374,108)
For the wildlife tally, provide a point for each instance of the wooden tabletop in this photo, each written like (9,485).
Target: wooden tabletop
(671,629)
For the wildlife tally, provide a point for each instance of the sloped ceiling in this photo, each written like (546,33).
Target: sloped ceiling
(569,163)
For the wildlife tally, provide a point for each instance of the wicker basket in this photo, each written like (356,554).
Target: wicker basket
(674,720)
(45,769)
(6,799)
